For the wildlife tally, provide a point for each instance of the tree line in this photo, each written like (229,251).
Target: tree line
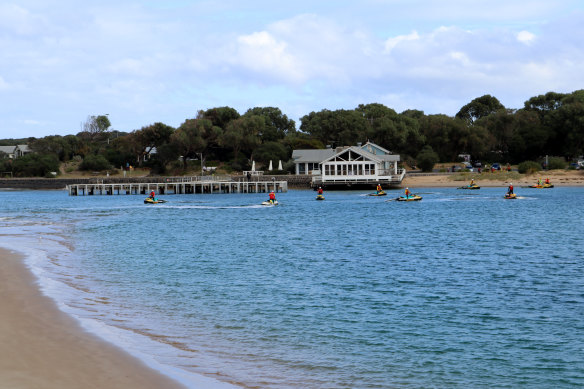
(550,124)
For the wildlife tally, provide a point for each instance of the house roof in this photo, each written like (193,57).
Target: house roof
(323,155)
(24,148)
(314,155)
(8,149)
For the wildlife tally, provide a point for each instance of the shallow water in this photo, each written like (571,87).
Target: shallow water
(463,289)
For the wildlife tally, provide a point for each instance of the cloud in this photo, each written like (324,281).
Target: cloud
(525,37)
(392,42)
(261,52)
(143,62)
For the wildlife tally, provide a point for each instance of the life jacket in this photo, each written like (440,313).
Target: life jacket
(272,196)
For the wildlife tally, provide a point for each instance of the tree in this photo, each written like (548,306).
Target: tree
(478,108)
(278,126)
(220,116)
(142,142)
(94,162)
(95,126)
(188,139)
(243,134)
(426,159)
(35,165)
(337,128)
(271,151)
(447,136)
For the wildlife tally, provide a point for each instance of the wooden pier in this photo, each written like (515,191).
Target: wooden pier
(167,186)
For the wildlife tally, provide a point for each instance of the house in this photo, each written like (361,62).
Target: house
(350,166)
(307,161)
(13,152)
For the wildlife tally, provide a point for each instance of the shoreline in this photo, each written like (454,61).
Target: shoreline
(497,179)
(44,347)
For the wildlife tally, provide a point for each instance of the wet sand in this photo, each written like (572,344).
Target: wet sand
(44,348)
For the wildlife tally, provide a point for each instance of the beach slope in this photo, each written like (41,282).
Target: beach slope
(43,348)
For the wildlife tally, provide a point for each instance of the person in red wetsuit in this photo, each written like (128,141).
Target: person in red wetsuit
(510,190)
(319,190)
(272,196)
(152,195)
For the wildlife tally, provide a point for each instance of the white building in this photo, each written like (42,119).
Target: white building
(350,166)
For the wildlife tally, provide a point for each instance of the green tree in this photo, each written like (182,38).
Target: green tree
(220,116)
(479,107)
(95,126)
(188,140)
(142,142)
(337,128)
(95,163)
(243,134)
(447,136)
(278,126)
(426,159)
(271,151)
(395,132)
(35,165)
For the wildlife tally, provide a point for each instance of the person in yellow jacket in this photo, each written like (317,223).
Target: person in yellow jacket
(408,193)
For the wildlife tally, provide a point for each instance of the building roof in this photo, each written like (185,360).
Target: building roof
(323,155)
(24,148)
(314,155)
(8,149)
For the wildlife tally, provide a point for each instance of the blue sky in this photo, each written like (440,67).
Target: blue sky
(162,61)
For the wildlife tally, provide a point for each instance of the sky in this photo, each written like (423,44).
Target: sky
(142,62)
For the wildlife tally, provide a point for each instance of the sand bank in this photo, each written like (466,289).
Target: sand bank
(497,179)
(43,348)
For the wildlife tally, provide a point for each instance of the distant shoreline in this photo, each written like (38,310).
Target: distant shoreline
(414,179)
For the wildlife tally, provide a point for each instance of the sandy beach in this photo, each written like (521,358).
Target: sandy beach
(496,179)
(43,348)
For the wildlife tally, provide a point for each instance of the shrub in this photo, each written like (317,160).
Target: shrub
(94,162)
(556,163)
(35,165)
(528,167)
(426,159)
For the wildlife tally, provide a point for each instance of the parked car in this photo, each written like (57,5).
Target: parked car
(478,164)
(496,166)
(467,166)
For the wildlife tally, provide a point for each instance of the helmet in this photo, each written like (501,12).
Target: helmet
(510,183)
(406,188)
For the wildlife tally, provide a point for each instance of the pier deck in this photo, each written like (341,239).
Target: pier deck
(191,185)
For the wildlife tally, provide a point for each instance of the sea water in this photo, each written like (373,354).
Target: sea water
(462,289)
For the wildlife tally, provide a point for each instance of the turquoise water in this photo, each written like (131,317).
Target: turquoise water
(459,290)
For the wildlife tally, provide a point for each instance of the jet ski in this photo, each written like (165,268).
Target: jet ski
(150,200)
